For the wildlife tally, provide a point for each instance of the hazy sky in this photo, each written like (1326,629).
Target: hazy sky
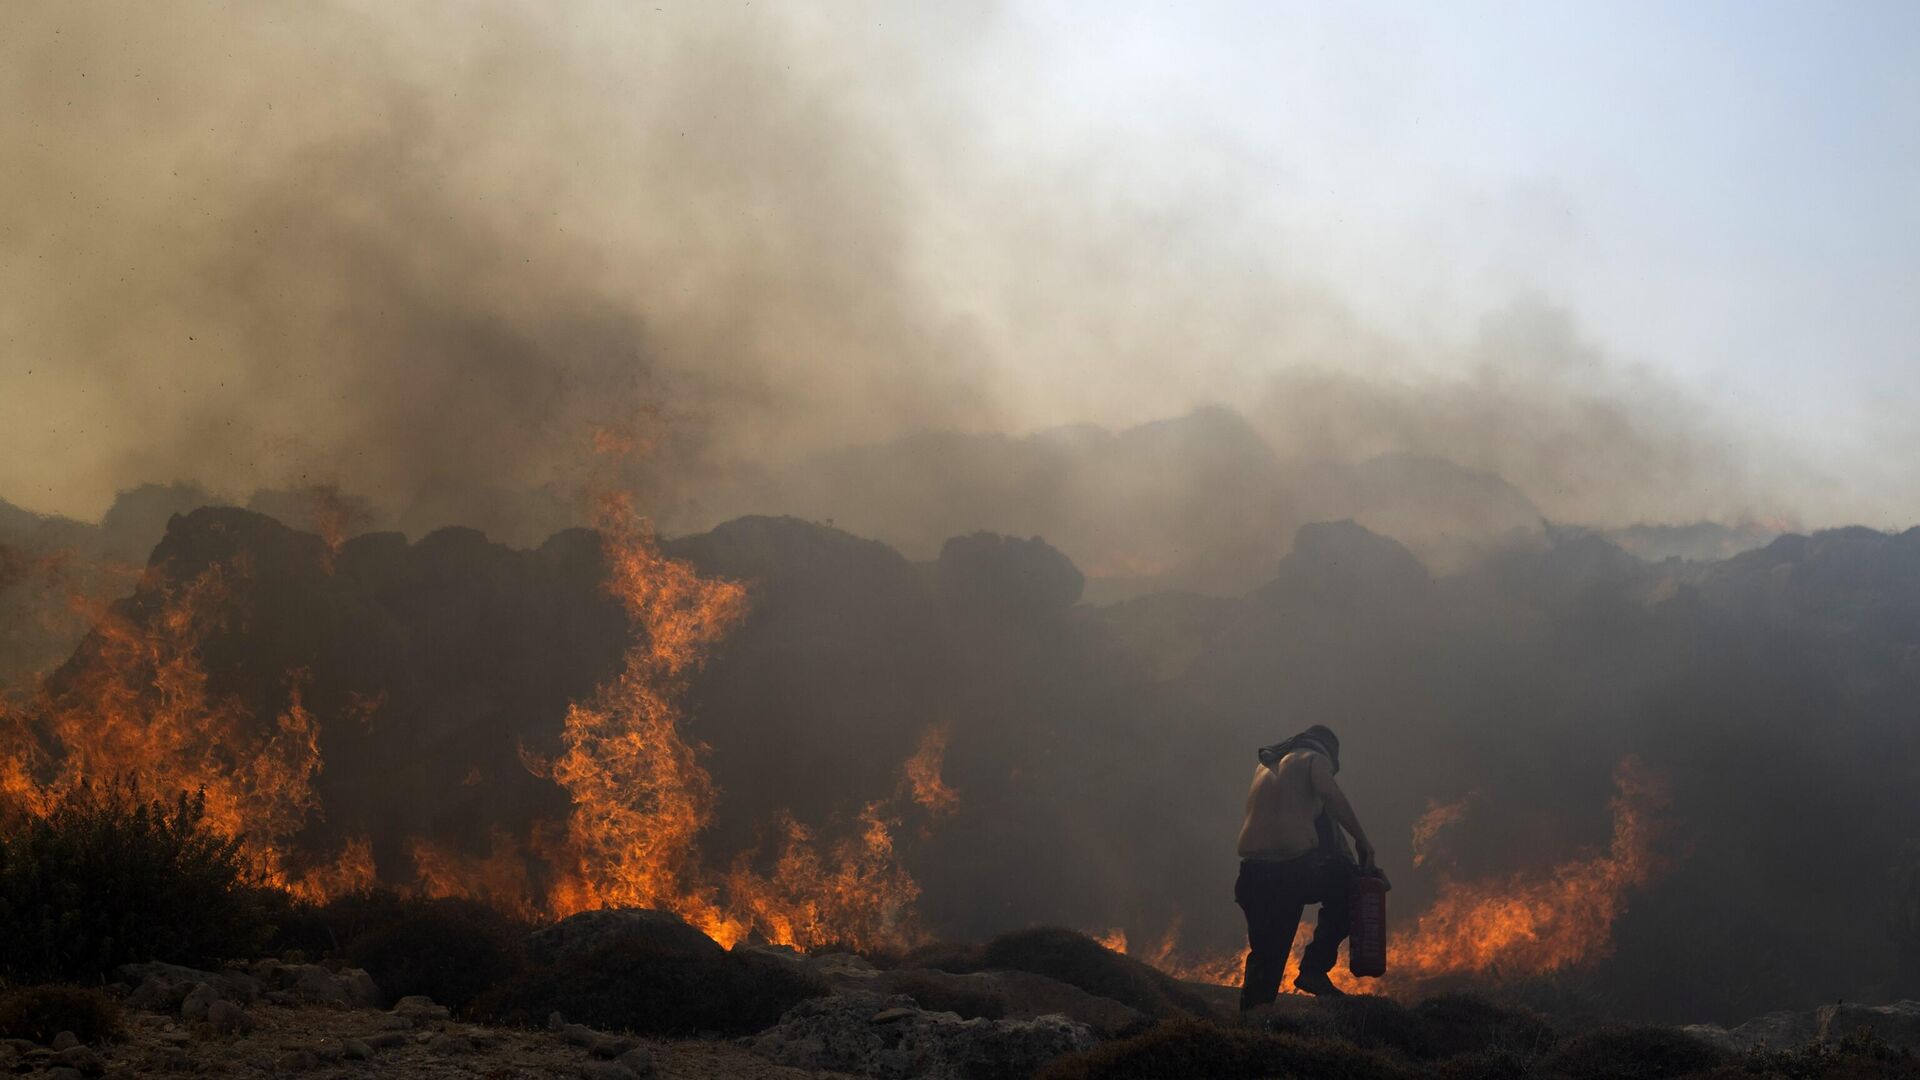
(253,245)
(1730,191)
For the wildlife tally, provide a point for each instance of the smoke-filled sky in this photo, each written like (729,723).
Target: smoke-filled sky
(1646,262)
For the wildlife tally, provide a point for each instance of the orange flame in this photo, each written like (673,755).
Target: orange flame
(930,790)
(1523,925)
(140,705)
(1438,816)
(1538,924)
(640,794)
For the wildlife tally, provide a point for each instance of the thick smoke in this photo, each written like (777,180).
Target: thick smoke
(423,253)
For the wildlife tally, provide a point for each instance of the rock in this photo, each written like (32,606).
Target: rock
(848,968)
(81,1059)
(19,1046)
(845,1033)
(638,1061)
(313,982)
(588,930)
(578,1034)
(610,1046)
(556,1022)
(299,1061)
(159,987)
(63,1073)
(226,1018)
(420,1009)
(1897,1025)
(603,1070)
(386,1040)
(66,1040)
(391,1022)
(356,1050)
(194,1007)
(362,992)
(445,1043)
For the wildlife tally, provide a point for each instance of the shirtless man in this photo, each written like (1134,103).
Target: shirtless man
(1292,855)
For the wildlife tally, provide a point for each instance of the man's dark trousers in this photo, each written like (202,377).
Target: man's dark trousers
(1273,895)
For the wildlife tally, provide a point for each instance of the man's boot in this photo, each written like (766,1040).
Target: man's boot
(1317,984)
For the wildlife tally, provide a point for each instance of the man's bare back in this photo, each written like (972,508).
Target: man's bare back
(1284,801)
(1281,806)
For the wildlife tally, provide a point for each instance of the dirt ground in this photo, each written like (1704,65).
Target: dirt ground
(314,1041)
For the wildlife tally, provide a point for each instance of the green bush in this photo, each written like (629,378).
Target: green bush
(448,949)
(1188,1047)
(631,984)
(41,1012)
(1633,1053)
(107,877)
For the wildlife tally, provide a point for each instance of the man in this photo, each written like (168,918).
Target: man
(1292,855)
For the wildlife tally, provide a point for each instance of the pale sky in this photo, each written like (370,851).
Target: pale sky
(1726,191)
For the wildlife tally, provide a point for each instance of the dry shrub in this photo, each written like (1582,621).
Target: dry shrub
(631,984)
(41,1012)
(1633,1053)
(448,949)
(1188,1047)
(109,877)
(1075,958)
(950,994)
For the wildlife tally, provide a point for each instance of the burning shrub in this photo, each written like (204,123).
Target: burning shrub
(448,949)
(41,1012)
(106,877)
(1075,958)
(1633,1053)
(1188,1047)
(636,985)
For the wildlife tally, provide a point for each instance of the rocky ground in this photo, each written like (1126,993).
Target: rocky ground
(273,1018)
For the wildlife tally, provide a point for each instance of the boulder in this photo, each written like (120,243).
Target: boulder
(420,1009)
(194,1007)
(638,1061)
(1897,1025)
(226,1018)
(81,1059)
(873,1035)
(588,930)
(1778,1030)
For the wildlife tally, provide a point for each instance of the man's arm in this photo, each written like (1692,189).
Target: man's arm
(1337,805)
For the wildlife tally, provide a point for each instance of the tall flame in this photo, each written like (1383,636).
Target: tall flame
(640,795)
(140,704)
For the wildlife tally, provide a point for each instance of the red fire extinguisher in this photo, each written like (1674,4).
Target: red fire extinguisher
(1367,905)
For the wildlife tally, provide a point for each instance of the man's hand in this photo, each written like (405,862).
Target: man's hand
(1366,853)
